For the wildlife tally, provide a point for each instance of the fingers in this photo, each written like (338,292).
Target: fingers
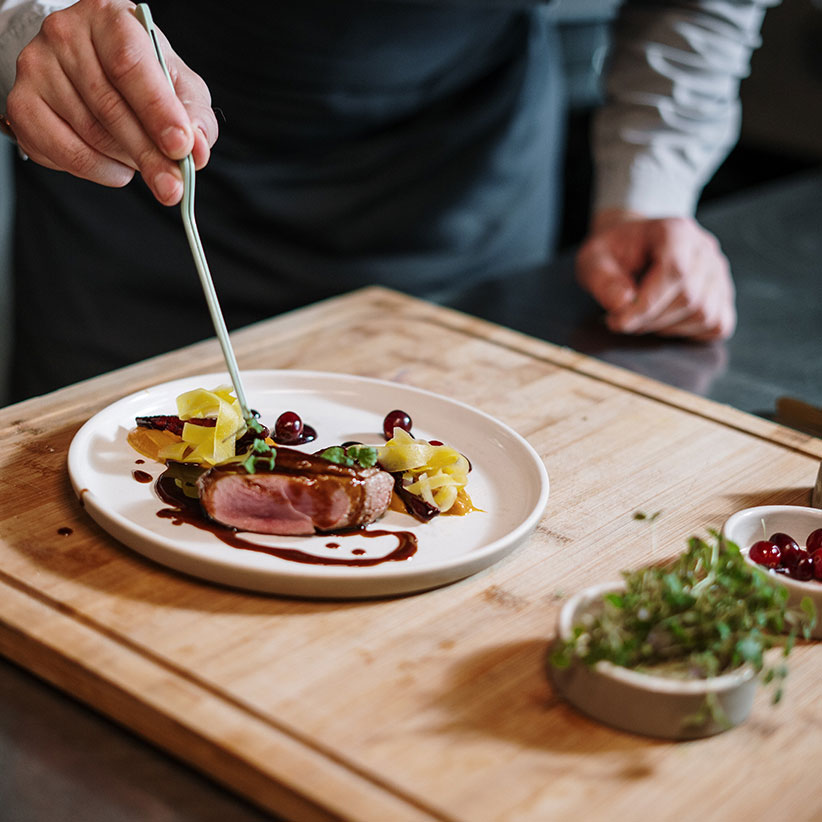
(134,92)
(118,75)
(59,148)
(66,137)
(687,291)
(684,288)
(670,290)
(93,68)
(66,103)
(604,276)
(193,93)
(713,319)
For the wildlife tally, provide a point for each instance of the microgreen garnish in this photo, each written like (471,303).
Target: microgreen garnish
(254,424)
(651,519)
(261,456)
(363,456)
(705,613)
(185,476)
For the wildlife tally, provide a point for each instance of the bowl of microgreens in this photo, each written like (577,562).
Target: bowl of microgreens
(786,542)
(676,650)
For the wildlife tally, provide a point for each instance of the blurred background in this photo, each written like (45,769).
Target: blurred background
(781,128)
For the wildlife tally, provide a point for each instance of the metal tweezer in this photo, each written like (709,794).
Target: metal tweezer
(187,207)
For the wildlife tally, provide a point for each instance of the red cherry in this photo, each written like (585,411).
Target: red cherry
(804,568)
(395,419)
(814,540)
(816,557)
(288,428)
(765,553)
(791,555)
(783,540)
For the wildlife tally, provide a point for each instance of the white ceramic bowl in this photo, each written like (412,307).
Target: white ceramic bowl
(745,527)
(643,703)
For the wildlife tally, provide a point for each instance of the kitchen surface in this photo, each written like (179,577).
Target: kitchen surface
(773,239)
(396,707)
(130,692)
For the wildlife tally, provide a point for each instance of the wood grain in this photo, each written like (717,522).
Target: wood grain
(427,707)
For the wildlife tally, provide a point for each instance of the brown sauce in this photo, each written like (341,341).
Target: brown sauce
(187,510)
(141,476)
(308,434)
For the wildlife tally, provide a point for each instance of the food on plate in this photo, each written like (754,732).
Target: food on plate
(430,477)
(289,429)
(205,431)
(303,494)
(396,419)
(250,480)
(244,481)
(706,613)
(782,554)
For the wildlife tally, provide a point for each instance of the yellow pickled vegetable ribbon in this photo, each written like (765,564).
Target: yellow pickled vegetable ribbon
(436,473)
(213,444)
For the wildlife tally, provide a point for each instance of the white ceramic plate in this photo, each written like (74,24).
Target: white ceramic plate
(508,482)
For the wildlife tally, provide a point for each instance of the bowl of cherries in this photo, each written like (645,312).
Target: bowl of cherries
(786,541)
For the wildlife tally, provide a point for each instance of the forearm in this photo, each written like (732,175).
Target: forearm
(20,20)
(672,101)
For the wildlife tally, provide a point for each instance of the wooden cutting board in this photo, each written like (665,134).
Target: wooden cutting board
(427,707)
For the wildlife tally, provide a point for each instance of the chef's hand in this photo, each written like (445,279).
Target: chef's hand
(664,276)
(91,98)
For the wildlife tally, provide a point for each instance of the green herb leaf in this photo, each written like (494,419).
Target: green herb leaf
(336,453)
(363,456)
(261,457)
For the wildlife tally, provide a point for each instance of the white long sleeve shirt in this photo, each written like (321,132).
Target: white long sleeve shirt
(672,108)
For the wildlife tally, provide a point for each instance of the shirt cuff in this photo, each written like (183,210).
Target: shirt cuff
(647,184)
(658,173)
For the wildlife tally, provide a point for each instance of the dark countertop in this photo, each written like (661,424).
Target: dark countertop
(61,761)
(773,238)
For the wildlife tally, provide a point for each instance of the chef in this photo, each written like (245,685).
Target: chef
(416,144)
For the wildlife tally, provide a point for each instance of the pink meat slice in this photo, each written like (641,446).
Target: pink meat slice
(311,495)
